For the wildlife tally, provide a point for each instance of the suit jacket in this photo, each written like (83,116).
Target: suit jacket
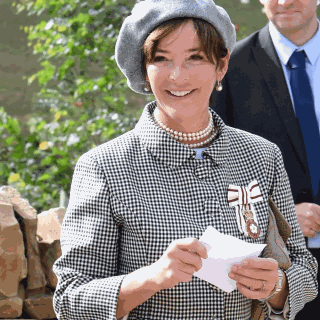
(132,196)
(255,98)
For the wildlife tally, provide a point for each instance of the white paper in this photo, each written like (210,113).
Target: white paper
(223,251)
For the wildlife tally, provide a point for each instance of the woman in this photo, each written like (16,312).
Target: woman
(139,203)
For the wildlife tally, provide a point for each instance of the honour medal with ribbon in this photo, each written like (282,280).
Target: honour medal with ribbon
(252,227)
(243,198)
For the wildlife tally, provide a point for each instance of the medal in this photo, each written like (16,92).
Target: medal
(243,198)
(252,228)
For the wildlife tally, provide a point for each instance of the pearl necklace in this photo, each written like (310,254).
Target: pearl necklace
(182,136)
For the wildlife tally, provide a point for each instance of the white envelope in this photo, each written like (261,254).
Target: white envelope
(223,251)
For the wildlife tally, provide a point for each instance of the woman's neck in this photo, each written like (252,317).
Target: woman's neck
(200,123)
(183,122)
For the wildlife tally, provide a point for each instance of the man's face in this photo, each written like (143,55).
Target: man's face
(290,15)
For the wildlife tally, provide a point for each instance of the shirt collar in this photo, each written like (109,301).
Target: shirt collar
(285,47)
(172,152)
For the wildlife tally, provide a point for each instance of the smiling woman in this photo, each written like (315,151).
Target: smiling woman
(140,202)
(182,69)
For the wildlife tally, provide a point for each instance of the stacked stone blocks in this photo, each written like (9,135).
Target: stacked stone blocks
(29,245)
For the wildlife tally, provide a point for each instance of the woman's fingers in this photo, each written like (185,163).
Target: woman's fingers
(191,244)
(256,277)
(252,283)
(252,294)
(188,251)
(188,258)
(179,262)
(260,274)
(260,263)
(183,261)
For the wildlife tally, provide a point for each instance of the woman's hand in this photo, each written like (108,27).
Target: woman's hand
(256,277)
(178,263)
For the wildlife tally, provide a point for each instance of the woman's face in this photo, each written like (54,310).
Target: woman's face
(181,76)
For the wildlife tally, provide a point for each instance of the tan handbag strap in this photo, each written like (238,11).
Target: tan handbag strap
(257,312)
(282,224)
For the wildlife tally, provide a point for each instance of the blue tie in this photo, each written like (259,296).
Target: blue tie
(305,112)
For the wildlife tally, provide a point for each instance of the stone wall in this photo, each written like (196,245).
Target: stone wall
(29,245)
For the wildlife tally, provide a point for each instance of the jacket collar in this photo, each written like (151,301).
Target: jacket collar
(172,152)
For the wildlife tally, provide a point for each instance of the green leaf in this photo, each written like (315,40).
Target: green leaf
(10,140)
(65,67)
(44,177)
(63,163)
(47,161)
(47,73)
(4,169)
(13,126)
(40,125)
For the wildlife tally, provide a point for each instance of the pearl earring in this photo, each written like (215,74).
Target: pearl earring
(147,87)
(219,86)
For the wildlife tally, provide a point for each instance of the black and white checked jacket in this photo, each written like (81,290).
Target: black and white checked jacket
(132,196)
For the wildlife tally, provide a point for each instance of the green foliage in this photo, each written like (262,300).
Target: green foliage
(82,97)
(75,43)
(39,158)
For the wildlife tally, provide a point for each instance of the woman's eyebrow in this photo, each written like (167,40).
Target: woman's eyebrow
(189,50)
(162,51)
(194,49)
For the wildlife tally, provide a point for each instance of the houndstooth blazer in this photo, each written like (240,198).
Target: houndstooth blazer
(132,196)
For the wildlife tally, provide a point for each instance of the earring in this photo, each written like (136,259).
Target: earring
(219,86)
(147,87)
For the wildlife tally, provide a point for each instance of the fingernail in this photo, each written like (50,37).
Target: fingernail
(234,269)
(245,263)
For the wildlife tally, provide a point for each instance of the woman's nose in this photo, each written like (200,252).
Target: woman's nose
(178,73)
(285,3)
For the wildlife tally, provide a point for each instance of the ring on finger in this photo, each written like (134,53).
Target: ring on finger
(263,286)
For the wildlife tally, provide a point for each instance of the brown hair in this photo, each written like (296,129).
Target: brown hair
(211,42)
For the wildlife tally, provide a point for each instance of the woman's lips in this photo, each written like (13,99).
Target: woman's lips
(180,93)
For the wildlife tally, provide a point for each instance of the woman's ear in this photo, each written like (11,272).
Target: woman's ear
(223,66)
(146,74)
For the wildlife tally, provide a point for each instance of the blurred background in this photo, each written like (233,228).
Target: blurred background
(61,93)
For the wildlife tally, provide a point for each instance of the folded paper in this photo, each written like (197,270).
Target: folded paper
(223,252)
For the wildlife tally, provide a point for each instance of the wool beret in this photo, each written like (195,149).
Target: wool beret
(147,15)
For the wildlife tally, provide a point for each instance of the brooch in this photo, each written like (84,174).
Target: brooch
(243,198)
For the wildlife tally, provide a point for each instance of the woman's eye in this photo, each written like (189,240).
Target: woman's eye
(196,57)
(159,58)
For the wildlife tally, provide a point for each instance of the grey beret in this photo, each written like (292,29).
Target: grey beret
(147,15)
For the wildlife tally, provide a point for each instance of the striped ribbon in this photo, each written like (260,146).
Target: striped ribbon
(243,198)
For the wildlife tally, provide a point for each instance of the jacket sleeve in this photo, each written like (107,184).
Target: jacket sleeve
(88,284)
(302,275)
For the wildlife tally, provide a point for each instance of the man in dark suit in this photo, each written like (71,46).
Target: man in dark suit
(258,96)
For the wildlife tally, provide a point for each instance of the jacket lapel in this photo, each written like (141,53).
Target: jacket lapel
(271,70)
